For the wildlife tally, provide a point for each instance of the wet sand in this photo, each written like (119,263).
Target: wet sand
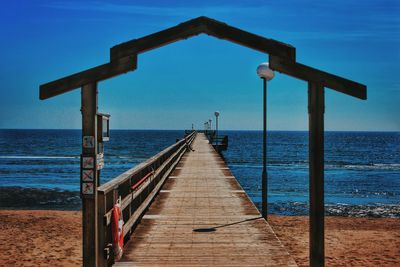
(53,238)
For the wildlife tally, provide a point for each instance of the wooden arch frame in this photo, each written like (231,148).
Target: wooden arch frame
(123,58)
(282,58)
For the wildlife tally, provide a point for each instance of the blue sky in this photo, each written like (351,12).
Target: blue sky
(187,81)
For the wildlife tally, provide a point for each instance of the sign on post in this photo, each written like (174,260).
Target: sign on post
(87,188)
(100,161)
(87,175)
(88,142)
(87,162)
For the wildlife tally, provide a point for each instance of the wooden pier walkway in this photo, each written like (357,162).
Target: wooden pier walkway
(202,217)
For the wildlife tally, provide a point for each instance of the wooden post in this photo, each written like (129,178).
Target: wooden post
(89,174)
(103,254)
(316,108)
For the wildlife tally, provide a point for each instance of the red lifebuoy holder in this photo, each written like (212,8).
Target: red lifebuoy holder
(117,229)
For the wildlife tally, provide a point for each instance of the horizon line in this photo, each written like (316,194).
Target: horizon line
(249,130)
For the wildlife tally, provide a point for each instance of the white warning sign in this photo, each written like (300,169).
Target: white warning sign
(87,162)
(100,161)
(88,141)
(87,175)
(87,188)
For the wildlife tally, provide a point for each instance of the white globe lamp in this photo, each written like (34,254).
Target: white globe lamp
(264,72)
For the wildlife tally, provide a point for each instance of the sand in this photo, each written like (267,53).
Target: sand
(40,238)
(53,238)
(348,241)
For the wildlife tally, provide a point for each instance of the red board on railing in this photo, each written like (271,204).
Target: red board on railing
(136,185)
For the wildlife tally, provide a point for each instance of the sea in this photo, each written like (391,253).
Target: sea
(362,169)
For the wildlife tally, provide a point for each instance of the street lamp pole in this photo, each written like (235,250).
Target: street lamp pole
(216,113)
(266,74)
(264,171)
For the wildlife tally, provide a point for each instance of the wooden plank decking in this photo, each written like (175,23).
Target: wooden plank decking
(202,217)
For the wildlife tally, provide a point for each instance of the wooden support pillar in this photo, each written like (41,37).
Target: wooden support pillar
(89,174)
(316,108)
(103,250)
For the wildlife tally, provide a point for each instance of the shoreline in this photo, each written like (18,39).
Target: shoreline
(21,198)
(53,237)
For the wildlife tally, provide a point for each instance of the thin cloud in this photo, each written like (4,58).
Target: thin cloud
(373,20)
(151,10)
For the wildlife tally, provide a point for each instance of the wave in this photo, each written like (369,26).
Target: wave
(39,157)
(377,210)
(378,166)
(394,166)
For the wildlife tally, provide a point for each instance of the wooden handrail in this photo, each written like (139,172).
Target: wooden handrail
(135,186)
(146,179)
(109,186)
(137,214)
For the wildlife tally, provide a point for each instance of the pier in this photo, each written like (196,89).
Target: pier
(183,207)
(202,217)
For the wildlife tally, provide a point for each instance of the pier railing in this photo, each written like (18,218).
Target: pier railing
(220,142)
(137,188)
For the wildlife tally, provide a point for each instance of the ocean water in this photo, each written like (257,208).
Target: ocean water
(361,168)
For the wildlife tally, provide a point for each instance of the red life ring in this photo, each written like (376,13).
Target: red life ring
(117,229)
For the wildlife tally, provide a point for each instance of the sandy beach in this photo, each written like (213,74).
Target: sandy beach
(348,241)
(53,238)
(40,238)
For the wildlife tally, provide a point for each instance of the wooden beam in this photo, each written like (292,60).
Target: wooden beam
(316,108)
(89,198)
(269,46)
(92,75)
(309,74)
(179,32)
(203,25)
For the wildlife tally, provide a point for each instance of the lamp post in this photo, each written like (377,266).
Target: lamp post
(209,129)
(266,74)
(216,113)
